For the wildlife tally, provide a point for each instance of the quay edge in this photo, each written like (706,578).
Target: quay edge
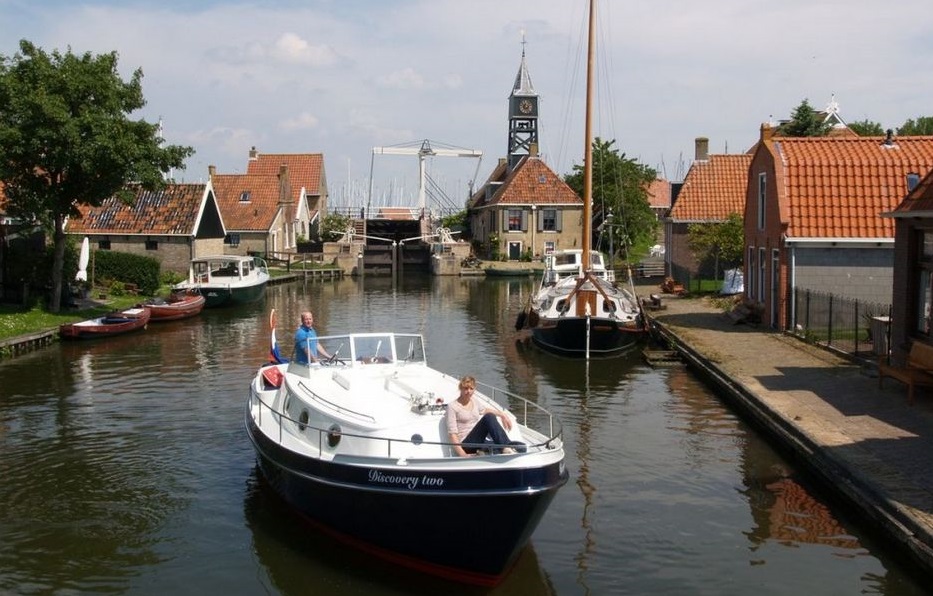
(887,516)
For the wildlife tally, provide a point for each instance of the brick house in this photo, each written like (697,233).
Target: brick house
(713,189)
(912,309)
(172,225)
(528,209)
(813,216)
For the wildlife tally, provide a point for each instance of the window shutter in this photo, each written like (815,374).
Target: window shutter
(539,224)
(558,220)
(524,220)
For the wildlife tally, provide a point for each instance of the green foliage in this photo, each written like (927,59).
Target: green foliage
(867,128)
(170,278)
(923,125)
(67,139)
(127,268)
(805,122)
(620,187)
(333,226)
(723,243)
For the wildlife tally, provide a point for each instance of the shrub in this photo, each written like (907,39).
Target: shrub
(135,269)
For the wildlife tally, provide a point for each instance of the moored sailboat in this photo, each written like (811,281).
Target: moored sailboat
(579,310)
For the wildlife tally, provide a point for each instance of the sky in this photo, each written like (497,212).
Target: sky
(340,77)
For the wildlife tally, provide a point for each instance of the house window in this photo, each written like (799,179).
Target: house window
(152,245)
(103,244)
(233,239)
(515,220)
(913,179)
(549,247)
(762,274)
(244,196)
(752,273)
(924,280)
(762,192)
(549,222)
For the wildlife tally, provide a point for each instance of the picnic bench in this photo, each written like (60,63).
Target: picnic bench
(918,370)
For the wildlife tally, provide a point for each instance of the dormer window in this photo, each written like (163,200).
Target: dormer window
(244,196)
(913,179)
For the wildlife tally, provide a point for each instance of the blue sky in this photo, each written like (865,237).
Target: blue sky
(343,76)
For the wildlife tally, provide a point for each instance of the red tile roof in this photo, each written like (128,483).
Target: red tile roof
(713,189)
(838,187)
(261,205)
(659,193)
(532,182)
(304,169)
(171,211)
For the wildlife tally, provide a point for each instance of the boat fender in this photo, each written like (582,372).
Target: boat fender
(520,321)
(333,435)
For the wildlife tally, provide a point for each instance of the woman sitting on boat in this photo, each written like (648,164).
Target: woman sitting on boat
(476,423)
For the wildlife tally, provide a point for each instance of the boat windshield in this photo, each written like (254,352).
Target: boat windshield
(376,348)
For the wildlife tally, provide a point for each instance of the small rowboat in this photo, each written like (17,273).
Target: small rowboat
(110,324)
(179,305)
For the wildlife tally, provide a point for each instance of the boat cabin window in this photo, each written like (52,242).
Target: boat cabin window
(373,349)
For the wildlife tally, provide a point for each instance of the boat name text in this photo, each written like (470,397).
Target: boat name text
(409,482)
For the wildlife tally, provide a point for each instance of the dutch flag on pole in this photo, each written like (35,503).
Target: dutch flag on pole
(275,356)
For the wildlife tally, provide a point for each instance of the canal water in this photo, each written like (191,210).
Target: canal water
(125,468)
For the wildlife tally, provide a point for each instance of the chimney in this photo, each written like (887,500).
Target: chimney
(285,191)
(502,161)
(767,132)
(253,154)
(889,137)
(211,171)
(533,149)
(702,149)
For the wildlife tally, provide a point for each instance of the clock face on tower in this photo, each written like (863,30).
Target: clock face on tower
(525,107)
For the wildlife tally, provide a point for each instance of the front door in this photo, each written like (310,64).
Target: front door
(515,251)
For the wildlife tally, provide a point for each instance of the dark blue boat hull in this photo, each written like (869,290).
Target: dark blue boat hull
(468,526)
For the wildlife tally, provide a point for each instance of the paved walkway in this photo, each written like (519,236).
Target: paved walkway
(864,441)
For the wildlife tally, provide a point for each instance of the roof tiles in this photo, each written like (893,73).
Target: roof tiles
(713,189)
(838,187)
(171,211)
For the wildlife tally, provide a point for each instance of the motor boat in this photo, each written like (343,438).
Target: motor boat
(357,444)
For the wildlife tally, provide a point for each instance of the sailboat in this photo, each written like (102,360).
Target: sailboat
(579,310)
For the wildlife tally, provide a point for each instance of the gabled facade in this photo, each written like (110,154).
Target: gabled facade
(308,183)
(172,225)
(912,307)
(813,216)
(528,210)
(713,189)
(261,212)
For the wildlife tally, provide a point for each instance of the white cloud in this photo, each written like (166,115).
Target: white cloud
(303,121)
(405,78)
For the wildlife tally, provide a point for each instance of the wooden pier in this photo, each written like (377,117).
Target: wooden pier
(14,346)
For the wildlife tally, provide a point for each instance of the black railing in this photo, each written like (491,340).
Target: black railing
(844,324)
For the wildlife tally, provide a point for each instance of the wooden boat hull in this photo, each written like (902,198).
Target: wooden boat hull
(176,308)
(116,323)
(398,515)
(506,272)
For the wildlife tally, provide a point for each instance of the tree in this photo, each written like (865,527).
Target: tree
(923,125)
(804,122)
(867,128)
(620,187)
(723,242)
(67,140)
(333,226)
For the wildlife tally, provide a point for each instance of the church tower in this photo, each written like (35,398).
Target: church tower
(523,116)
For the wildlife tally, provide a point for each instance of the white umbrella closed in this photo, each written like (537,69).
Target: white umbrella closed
(83,260)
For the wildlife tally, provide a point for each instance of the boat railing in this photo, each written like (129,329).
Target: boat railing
(533,416)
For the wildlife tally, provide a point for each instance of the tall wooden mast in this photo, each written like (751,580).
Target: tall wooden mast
(588,139)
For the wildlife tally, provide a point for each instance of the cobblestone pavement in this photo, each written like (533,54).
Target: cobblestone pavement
(864,440)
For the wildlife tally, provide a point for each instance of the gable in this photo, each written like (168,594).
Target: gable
(531,182)
(247,202)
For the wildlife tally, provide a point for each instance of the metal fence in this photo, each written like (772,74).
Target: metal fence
(855,327)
